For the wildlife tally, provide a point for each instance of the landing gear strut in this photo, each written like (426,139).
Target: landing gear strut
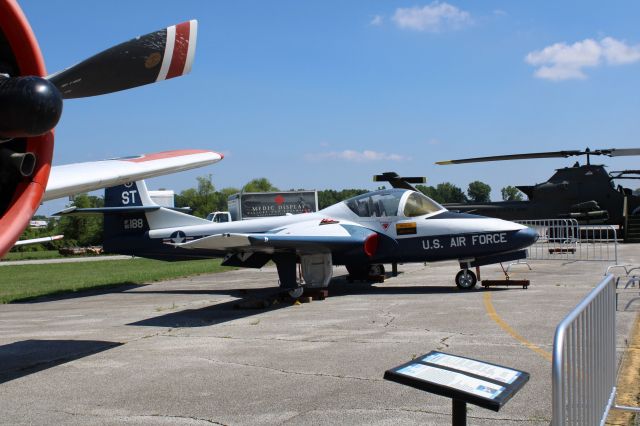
(466,279)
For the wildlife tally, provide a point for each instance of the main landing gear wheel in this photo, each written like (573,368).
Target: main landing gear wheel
(466,280)
(364,272)
(296,292)
(376,269)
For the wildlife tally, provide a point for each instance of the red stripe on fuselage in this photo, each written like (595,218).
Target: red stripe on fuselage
(180,50)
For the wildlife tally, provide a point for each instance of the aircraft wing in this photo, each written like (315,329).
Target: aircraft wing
(309,237)
(76,178)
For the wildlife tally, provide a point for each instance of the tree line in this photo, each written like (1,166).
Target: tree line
(204,198)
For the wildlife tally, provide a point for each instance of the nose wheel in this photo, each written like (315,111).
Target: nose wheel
(466,279)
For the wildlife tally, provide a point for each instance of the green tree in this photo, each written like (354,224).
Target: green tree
(329,197)
(443,193)
(259,185)
(450,193)
(202,200)
(30,233)
(511,193)
(82,230)
(221,198)
(430,192)
(479,192)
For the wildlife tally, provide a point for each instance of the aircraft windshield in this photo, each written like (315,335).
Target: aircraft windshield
(418,204)
(388,203)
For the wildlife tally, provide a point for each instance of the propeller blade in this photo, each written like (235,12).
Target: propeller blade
(550,154)
(29,106)
(146,59)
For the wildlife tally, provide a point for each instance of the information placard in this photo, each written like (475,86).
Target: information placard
(465,379)
(490,371)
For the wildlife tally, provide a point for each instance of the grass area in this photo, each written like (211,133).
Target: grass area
(31,255)
(22,282)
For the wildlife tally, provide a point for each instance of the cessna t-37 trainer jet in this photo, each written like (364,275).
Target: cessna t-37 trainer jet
(385,226)
(31,105)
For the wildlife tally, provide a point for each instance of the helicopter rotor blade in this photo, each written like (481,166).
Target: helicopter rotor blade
(550,154)
(616,152)
(156,56)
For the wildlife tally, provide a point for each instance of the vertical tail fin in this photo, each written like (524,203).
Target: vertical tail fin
(118,225)
(128,195)
(135,194)
(130,216)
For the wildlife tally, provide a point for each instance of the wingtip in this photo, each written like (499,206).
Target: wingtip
(444,163)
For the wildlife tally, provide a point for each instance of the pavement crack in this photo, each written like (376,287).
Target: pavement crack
(284,371)
(161,333)
(280,339)
(443,342)
(142,416)
(391,319)
(388,316)
(169,416)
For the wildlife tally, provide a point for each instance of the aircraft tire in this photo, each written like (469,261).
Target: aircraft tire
(466,282)
(364,272)
(296,292)
(358,272)
(376,269)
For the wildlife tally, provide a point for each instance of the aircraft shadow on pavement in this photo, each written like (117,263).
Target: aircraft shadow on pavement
(261,300)
(26,357)
(107,289)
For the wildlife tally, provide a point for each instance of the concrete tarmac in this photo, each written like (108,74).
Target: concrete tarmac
(179,352)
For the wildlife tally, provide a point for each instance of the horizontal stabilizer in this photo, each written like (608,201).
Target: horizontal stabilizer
(218,242)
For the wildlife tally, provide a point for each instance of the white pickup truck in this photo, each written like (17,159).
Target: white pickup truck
(219,217)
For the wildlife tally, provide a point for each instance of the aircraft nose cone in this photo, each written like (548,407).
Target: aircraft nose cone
(525,237)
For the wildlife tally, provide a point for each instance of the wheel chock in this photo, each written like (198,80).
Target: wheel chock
(508,283)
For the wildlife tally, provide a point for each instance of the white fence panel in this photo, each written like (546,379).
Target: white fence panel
(584,359)
(565,239)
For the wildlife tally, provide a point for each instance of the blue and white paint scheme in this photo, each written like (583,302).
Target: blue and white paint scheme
(385,226)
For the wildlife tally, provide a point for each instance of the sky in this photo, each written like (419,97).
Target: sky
(325,94)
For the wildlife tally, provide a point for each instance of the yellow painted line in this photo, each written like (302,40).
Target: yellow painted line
(491,311)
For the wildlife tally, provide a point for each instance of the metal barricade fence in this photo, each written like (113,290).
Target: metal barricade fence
(565,239)
(584,359)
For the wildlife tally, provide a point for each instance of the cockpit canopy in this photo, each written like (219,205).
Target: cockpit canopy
(393,202)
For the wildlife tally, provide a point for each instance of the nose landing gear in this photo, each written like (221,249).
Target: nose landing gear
(466,279)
